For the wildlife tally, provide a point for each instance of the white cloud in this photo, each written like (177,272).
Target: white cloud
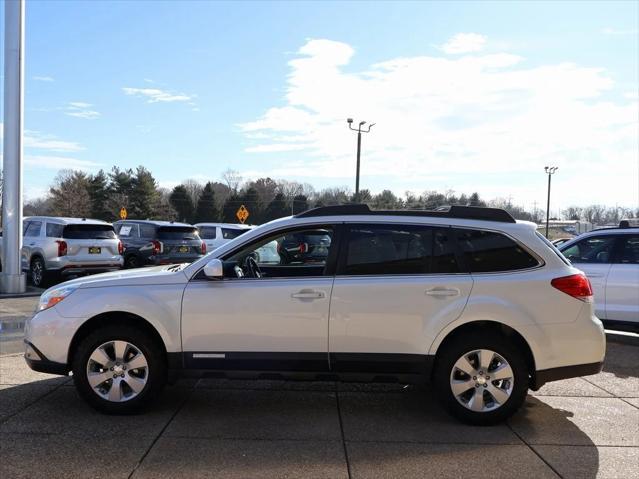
(80,109)
(35,139)
(59,162)
(155,95)
(467,118)
(464,43)
(44,78)
(617,31)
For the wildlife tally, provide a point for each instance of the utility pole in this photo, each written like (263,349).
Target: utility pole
(12,280)
(359,149)
(550,170)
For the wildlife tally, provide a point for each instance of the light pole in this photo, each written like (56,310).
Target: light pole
(359,149)
(550,170)
(12,279)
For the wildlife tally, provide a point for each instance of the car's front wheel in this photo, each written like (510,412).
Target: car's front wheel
(38,272)
(481,379)
(119,369)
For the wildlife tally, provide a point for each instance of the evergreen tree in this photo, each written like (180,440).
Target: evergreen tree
(99,196)
(120,186)
(276,208)
(144,196)
(231,205)
(70,194)
(206,208)
(251,200)
(183,204)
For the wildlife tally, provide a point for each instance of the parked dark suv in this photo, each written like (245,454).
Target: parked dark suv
(149,242)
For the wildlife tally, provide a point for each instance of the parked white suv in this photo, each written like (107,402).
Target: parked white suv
(470,298)
(610,259)
(217,234)
(56,248)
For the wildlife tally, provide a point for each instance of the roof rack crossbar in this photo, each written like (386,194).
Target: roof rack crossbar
(454,211)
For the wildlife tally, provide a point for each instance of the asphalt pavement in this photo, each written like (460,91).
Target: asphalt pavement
(578,428)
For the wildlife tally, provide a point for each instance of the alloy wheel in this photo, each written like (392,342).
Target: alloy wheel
(482,380)
(117,371)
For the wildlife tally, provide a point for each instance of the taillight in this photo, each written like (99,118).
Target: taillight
(203,247)
(158,247)
(120,247)
(62,247)
(576,285)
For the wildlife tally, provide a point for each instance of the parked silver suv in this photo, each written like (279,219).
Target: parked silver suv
(61,247)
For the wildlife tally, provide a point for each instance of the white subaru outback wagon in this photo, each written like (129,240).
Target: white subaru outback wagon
(469,298)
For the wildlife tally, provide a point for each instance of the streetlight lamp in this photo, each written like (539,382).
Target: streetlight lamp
(550,170)
(359,149)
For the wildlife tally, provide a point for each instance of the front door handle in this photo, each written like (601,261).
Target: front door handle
(442,292)
(308,294)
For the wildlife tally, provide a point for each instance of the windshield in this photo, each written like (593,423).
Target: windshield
(178,233)
(88,232)
(230,233)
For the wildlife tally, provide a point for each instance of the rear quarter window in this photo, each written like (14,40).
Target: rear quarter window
(81,231)
(489,251)
(54,230)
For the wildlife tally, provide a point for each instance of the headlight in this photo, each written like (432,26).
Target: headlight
(52,297)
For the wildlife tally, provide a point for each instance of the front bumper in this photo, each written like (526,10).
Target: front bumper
(40,363)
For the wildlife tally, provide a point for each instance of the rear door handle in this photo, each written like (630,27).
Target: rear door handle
(308,294)
(442,292)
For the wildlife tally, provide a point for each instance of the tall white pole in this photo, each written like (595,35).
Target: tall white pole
(12,279)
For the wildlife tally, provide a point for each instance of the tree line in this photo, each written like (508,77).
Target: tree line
(101,195)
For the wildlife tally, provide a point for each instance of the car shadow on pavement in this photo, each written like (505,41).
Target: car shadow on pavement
(385,431)
(622,360)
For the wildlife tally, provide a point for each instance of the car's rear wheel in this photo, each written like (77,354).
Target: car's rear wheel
(481,379)
(38,272)
(131,261)
(119,369)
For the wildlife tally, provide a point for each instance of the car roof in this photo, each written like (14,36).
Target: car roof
(67,221)
(155,222)
(226,225)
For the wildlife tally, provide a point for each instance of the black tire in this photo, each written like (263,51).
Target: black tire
(156,371)
(38,272)
(131,261)
(460,346)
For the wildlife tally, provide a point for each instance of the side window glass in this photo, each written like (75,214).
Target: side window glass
(54,230)
(146,231)
(629,250)
(595,249)
(25,225)
(129,230)
(207,232)
(390,249)
(33,230)
(488,251)
(298,253)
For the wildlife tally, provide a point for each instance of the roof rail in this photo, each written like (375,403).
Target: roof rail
(454,211)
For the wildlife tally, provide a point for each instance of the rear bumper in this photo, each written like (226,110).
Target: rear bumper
(555,374)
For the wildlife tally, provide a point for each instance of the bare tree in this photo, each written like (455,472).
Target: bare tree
(70,194)
(233,179)
(194,189)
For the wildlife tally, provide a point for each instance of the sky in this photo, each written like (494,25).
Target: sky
(465,96)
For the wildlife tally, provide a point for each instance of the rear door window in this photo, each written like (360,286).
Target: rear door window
(399,250)
(628,250)
(33,230)
(489,251)
(178,233)
(84,231)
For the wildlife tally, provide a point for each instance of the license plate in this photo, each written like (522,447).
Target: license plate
(95,250)
(183,249)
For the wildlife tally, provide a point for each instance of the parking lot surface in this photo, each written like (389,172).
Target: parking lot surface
(583,427)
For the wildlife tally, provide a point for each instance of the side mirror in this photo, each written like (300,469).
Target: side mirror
(214,269)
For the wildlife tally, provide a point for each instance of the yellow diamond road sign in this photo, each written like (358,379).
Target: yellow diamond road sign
(123,213)
(242,214)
